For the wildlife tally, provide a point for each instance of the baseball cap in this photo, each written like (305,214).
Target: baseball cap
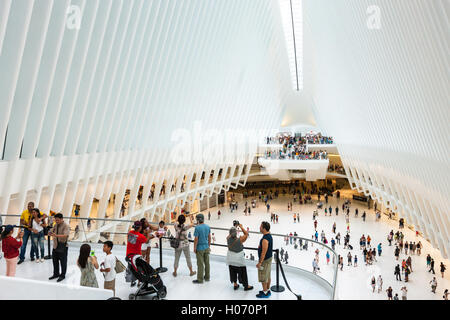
(200,217)
(137,224)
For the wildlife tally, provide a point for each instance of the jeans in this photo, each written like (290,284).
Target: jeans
(26,234)
(57,259)
(37,241)
(203,265)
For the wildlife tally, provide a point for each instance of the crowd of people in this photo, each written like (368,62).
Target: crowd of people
(336,168)
(295,147)
(368,250)
(203,238)
(35,225)
(295,153)
(308,138)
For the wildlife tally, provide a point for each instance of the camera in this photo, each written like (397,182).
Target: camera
(235,223)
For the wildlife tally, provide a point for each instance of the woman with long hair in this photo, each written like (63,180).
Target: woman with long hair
(37,233)
(87,262)
(181,234)
(10,248)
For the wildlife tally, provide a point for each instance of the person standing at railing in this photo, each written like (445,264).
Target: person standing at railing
(10,248)
(147,229)
(37,233)
(25,221)
(60,234)
(181,235)
(135,239)
(265,260)
(202,244)
(236,257)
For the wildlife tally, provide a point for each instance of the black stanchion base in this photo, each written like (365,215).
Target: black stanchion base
(161,269)
(277,288)
(47,257)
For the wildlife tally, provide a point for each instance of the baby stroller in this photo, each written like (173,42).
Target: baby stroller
(150,280)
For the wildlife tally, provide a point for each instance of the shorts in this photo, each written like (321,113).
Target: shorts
(264,274)
(110,285)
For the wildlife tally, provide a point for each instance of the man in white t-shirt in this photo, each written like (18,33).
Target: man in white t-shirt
(108,267)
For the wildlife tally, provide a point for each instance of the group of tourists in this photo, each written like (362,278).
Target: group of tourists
(308,138)
(140,234)
(295,147)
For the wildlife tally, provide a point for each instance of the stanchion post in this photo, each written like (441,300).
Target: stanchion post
(277,287)
(161,269)
(49,256)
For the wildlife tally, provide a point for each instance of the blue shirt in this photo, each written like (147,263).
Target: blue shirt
(202,231)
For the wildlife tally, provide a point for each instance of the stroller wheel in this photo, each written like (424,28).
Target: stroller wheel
(162,293)
(155,297)
(132,296)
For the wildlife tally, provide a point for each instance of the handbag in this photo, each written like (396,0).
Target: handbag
(120,267)
(175,242)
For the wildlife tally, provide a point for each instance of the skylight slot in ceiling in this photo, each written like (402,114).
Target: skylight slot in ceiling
(292,19)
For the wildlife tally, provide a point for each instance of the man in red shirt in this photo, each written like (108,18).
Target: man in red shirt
(135,239)
(134,243)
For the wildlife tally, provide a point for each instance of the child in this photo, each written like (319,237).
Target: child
(161,230)
(108,267)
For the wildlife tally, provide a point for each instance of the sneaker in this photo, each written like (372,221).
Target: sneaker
(20,261)
(32,259)
(37,260)
(53,277)
(248,288)
(61,278)
(261,294)
(196,281)
(42,259)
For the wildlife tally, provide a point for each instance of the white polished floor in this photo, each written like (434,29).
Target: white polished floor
(352,282)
